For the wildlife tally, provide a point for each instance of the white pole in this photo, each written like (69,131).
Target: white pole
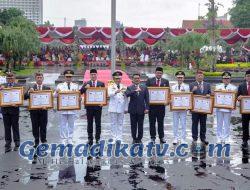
(113,37)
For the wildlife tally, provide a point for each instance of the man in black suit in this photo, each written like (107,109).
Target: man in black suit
(138,107)
(11,117)
(39,118)
(157,112)
(93,112)
(199,87)
(244,90)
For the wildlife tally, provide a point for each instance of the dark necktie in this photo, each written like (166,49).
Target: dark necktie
(68,86)
(248,90)
(118,86)
(10,85)
(93,83)
(39,87)
(158,82)
(179,87)
(200,87)
(225,86)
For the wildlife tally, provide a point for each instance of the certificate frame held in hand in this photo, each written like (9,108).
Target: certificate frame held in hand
(41,100)
(202,104)
(68,100)
(181,101)
(11,96)
(224,99)
(245,105)
(158,95)
(95,96)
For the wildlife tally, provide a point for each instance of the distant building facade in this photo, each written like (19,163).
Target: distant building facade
(81,22)
(33,9)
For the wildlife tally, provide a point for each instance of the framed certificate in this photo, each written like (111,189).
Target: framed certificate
(202,104)
(224,99)
(181,101)
(41,100)
(96,96)
(158,95)
(69,100)
(245,105)
(11,96)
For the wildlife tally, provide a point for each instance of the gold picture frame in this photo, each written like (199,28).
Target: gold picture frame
(243,108)
(181,98)
(221,99)
(15,92)
(203,104)
(158,95)
(68,100)
(41,95)
(91,97)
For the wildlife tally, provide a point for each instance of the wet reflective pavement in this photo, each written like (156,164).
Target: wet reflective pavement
(196,171)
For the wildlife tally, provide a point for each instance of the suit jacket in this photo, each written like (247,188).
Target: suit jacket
(10,109)
(35,87)
(83,91)
(242,90)
(151,82)
(139,102)
(206,88)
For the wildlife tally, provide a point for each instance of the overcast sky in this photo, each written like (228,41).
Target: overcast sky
(136,13)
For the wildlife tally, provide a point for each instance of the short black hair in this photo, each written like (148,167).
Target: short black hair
(93,71)
(136,74)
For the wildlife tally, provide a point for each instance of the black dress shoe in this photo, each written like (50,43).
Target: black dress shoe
(16,148)
(205,142)
(7,149)
(97,141)
(162,141)
(134,142)
(244,144)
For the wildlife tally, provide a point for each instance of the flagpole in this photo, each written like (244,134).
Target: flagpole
(113,36)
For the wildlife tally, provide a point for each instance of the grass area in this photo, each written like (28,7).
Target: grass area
(237,65)
(172,70)
(191,73)
(25,72)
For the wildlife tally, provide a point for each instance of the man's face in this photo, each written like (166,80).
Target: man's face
(226,80)
(180,79)
(158,74)
(93,76)
(247,77)
(68,79)
(117,80)
(10,79)
(199,77)
(136,79)
(39,79)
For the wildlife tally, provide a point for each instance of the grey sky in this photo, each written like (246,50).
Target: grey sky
(136,13)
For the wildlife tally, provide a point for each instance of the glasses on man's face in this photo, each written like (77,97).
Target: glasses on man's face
(68,76)
(136,78)
(180,77)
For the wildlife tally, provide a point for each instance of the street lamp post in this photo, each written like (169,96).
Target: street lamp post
(113,36)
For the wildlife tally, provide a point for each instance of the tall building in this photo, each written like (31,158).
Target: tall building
(33,9)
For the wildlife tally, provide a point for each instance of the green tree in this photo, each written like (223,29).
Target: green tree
(6,15)
(188,45)
(240,13)
(18,39)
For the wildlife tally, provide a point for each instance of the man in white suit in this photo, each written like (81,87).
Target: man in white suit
(118,105)
(67,118)
(224,115)
(179,115)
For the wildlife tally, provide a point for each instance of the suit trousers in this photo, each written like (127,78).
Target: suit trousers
(196,119)
(156,115)
(116,121)
(136,121)
(179,116)
(67,124)
(91,115)
(11,123)
(223,124)
(245,126)
(39,120)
